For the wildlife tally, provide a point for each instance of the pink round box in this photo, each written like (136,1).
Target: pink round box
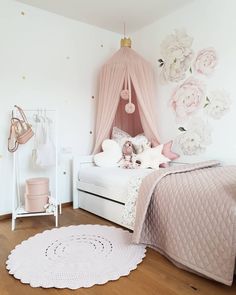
(35,203)
(36,194)
(37,186)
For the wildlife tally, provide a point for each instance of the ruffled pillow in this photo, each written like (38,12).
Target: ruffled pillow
(140,141)
(120,136)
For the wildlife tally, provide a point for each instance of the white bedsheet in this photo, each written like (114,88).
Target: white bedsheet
(113,180)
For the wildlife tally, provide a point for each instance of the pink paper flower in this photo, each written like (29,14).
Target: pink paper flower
(188,98)
(206,61)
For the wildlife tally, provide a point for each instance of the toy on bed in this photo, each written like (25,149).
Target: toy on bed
(130,152)
(128,155)
(151,158)
(110,156)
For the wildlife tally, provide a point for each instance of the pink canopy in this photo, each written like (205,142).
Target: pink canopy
(111,108)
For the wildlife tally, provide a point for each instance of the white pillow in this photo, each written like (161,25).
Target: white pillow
(140,141)
(151,158)
(110,156)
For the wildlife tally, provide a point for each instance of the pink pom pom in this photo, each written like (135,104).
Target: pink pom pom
(129,108)
(124,94)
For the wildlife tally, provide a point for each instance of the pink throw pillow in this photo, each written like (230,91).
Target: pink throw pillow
(168,153)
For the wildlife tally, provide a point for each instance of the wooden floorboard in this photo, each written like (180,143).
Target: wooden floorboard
(155,275)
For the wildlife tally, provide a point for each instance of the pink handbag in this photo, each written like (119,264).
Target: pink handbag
(20,131)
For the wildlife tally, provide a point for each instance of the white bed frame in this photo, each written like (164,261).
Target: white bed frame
(93,198)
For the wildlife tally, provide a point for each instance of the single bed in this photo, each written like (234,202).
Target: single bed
(186,212)
(102,191)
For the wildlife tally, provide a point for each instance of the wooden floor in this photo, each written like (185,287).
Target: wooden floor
(155,275)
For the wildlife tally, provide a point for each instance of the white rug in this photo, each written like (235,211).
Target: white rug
(75,256)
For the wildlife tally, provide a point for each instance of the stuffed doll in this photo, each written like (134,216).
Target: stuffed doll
(128,154)
(51,205)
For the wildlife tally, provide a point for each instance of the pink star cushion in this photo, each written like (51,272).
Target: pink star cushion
(167,152)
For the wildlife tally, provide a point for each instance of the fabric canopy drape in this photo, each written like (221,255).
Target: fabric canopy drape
(111,81)
(129,123)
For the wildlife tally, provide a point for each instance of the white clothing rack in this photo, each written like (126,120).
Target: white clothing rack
(18,211)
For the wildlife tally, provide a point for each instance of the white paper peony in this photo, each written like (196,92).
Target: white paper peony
(195,138)
(176,56)
(218,103)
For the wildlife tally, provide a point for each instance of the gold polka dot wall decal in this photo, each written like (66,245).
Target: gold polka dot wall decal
(22,13)
(23,77)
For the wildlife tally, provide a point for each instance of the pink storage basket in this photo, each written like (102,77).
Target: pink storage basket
(37,186)
(35,203)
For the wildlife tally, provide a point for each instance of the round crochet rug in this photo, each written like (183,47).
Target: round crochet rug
(75,256)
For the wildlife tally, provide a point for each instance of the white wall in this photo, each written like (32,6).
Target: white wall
(210,23)
(48,60)
(59,59)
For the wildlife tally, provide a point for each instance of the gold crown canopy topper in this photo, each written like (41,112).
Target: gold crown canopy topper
(125,42)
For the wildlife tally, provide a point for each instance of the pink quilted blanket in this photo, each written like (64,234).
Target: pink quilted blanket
(188,213)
